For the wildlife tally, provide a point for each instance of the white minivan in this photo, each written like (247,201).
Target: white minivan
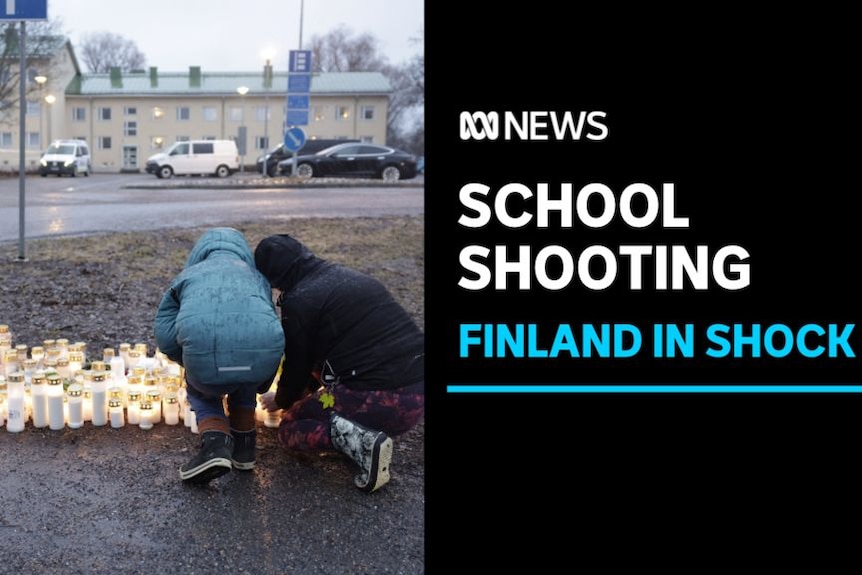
(196,157)
(71,157)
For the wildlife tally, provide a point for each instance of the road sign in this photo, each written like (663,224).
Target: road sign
(297,104)
(297,117)
(294,139)
(23,9)
(300,61)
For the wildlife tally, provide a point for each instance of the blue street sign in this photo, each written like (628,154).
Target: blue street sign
(300,61)
(300,83)
(294,139)
(23,9)
(297,117)
(298,101)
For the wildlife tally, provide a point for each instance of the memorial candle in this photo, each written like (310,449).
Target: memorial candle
(115,408)
(75,398)
(100,399)
(38,394)
(56,418)
(15,402)
(146,415)
(172,408)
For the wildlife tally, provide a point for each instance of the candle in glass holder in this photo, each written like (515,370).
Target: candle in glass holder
(56,417)
(133,408)
(62,344)
(273,418)
(2,399)
(172,408)
(187,413)
(100,399)
(10,361)
(76,363)
(62,365)
(146,415)
(108,354)
(38,395)
(37,353)
(118,393)
(75,399)
(115,408)
(28,366)
(21,348)
(154,396)
(15,402)
(124,353)
(193,421)
(133,358)
(81,347)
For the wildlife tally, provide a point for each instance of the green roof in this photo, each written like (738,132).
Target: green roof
(154,83)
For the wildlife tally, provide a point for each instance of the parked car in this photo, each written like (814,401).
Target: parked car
(355,160)
(71,157)
(197,157)
(279,153)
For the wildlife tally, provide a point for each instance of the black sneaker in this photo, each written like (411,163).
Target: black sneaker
(213,460)
(243,449)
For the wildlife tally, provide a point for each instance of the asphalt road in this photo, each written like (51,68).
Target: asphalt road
(108,202)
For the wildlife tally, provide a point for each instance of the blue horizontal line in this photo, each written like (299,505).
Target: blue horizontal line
(711,388)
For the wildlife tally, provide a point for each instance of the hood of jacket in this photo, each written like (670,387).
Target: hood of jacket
(227,240)
(284,261)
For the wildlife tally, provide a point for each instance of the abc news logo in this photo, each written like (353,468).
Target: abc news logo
(529,126)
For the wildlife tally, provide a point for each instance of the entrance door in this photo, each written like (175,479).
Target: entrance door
(130,157)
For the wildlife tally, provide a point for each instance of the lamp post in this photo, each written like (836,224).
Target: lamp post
(268,55)
(242,90)
(40,79)
(50,99)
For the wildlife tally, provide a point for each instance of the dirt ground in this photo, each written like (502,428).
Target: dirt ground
(102,500)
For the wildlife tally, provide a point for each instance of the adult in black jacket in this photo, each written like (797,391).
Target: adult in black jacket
(353,372)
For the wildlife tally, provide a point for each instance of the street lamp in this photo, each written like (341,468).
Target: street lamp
(50,99)
(41,79)
(242,90)
(268,55)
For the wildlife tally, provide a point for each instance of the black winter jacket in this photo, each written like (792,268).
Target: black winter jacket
(337,321)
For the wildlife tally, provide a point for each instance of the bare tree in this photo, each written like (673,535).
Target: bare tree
(340,50)
(42,41)
(101,51)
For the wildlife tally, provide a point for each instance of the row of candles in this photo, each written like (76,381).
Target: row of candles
(55,386)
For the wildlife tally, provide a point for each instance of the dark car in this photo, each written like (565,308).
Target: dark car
(279,153)
(355,160)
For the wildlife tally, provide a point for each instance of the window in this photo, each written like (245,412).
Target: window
(34,140)
(158,113)
(104,142)
(318,113)
(130,111)
(366,112)
(210,114)
(261,143)
(202,148)
(180,150)
(79,114)
(342,113)
(208,138)
(262,113)
(105,114)
(5,139)
(130,128)
(33,107)
(183,139)
(236,114)
(184,113)
(367,139)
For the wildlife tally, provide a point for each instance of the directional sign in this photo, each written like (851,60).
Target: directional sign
(294,139)
(300,61)
(297,117)
(297,102)
(23,9)
(297,105)
(299,83)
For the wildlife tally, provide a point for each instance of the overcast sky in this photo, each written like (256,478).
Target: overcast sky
(231,35)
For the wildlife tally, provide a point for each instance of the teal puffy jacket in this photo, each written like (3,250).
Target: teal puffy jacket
(218,319)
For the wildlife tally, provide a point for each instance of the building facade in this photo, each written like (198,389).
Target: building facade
(126,117)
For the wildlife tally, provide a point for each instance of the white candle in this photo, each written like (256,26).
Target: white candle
(56,418)
(37,353)
(273,418)
(76,363)
(76,405)
(38,391)
(134,407)
(15,402)
(172,409)
(115,407)
(155,399)
(146,415)
(100,399)
(193,421)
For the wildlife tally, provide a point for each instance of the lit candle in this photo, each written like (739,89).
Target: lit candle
(22,352)
(133,358)
(118,371)
(38,391)
(29,367)
(75,397)
(15,402)
(108,354)
(63,345)
(2,399)
(76,363)
(116,392)
(81,347)
(134,407)
(154,396)
(273,418)
(63,368)
(146,415)
(37,353)
(49,343)
(10,361)
(56,419)
(187,413)
(115,407)
(100,399)
(172,408)
(193,421)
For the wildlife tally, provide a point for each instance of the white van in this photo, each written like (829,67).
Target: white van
(196,157)
(70,157)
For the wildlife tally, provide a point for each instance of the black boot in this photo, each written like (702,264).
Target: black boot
(243,457)
(213,460)
(371,450)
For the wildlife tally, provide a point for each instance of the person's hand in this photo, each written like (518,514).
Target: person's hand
(267,401)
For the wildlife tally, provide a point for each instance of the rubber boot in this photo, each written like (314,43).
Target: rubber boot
(213,459)
(371,450)
(242,428)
